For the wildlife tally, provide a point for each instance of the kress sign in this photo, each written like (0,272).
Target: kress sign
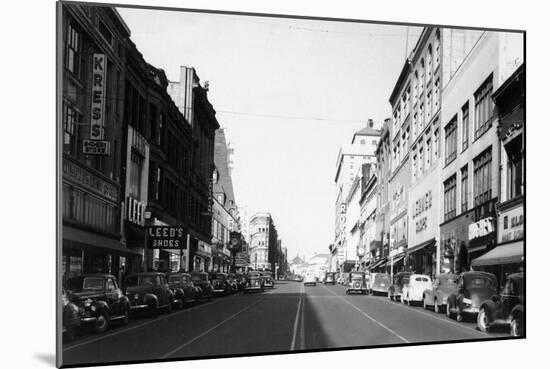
(165,237)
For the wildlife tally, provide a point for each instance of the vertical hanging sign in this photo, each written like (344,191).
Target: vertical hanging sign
(99,70)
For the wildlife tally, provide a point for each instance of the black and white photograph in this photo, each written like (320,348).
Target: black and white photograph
(235,184)
(282,185)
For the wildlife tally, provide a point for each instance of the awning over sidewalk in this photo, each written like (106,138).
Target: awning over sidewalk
(503,254)
(85,238)
(421,246)
(377,264)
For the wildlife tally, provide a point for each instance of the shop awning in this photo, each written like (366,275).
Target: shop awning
(377,264)
(85,238)
(421,246)
(503,254)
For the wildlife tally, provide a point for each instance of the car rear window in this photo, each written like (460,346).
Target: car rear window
(421,279)
(93,283)
(382,278)
(173,278)
(479,282)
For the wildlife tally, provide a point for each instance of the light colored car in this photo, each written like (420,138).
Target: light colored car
(443,285)
(413,291)
(310,279)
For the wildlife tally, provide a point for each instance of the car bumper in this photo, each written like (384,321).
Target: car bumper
(138,307)
(254,288)
(469,309)
(354,289)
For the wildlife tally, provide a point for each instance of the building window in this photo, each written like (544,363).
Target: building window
(449,198)
(429,62)
(482,177)
(105,33)
(428,106)
(515,167)
(465,123)
(153,123)
(428,153)
(414,166)
(436,93)
(362,142)
(450,141)
(436,49)
(421,77)
(436,143)
(464,189)
(73,56)
(136,170)
(420,118)
(420,159)
(483,107)
(72,135)
(415,87)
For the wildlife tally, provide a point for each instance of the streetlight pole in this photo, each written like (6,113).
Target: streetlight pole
(146,224)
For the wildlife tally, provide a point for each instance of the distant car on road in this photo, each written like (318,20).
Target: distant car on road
(443,285)
(357,283)
(232,280)
(506,309)
(202,280)
(329,278)
(379,283)
(221,284)
(99,300)
(183,288)
(472,289)
(399,280)
(149,292)
(414,290)
(254,282)
(268,279)
(310,279)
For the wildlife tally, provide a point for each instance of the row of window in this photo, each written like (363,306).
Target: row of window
(425,154)
(482,186)
(220,231)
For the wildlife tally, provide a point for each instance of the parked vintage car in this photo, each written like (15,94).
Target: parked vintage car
(99,300)
(149,292)
(241,281)
(268,279)
(330,278)
(310,279)
(379,283)
(508,308)
(71,318)
(443,285)
(399,280)
(183,288)
(472,289)
(232,280)
(202,280)
(358,283)
(221,284)
(254,282)
(413,291)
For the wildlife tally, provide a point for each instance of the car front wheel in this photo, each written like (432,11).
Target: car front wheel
(424,305)
(516,328)
(436,307)
(483,320)
(102,322)
(449,312)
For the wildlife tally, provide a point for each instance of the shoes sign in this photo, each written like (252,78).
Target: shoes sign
(166,237)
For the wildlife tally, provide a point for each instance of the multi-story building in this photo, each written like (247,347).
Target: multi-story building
(368,206)
(350,158)
(192,101)
(508,255)
(263,242)
(351,244)
(475,64)
(225,217)
(92,69)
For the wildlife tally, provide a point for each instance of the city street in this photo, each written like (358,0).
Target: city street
(290,317)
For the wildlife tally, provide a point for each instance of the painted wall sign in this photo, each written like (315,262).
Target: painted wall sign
(96,147)
(481,228)
(83,177)
(510,225)
(97,121)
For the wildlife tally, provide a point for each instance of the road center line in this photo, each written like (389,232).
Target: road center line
(211,329)
(295,329)
(371,318)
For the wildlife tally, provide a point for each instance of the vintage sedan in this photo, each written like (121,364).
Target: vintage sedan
(472,289)
(202,280)
(413,291)
(183,288)
(99,300)
(443,285)
(232,280)
(221,285)
(71,318)
(241,281)
(358,283)
(330,278)
(148,292)
(379,283)
(268,279)
(310,279)
(254,282)
(508,308)
(399,280)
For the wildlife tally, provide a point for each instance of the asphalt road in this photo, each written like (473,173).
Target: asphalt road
(290,317)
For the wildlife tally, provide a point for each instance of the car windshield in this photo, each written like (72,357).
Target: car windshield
(382,278)
(199,277)
(221,277)
(140,280)
(173,278)
(93,284)
(253,275)
(356,275)
(421,279)
(479,282)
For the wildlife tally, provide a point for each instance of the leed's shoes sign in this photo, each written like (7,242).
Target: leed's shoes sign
(165,237)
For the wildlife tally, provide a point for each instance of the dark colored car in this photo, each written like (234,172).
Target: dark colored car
(221,284)
(472,289)
(232,280)
(357,283)
(202,280)
(183,288)
(443,285)
(71,318)
(254,282)
(99,300)
(148,292)
(399,280)
(330,278)
(379,283)
(506,309)
(241,281)
(268,279)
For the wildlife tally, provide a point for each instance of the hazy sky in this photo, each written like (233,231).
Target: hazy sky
(338,74)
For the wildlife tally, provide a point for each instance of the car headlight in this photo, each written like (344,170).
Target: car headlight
(87,303)
(466,301)
(93,308)
(136,296)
